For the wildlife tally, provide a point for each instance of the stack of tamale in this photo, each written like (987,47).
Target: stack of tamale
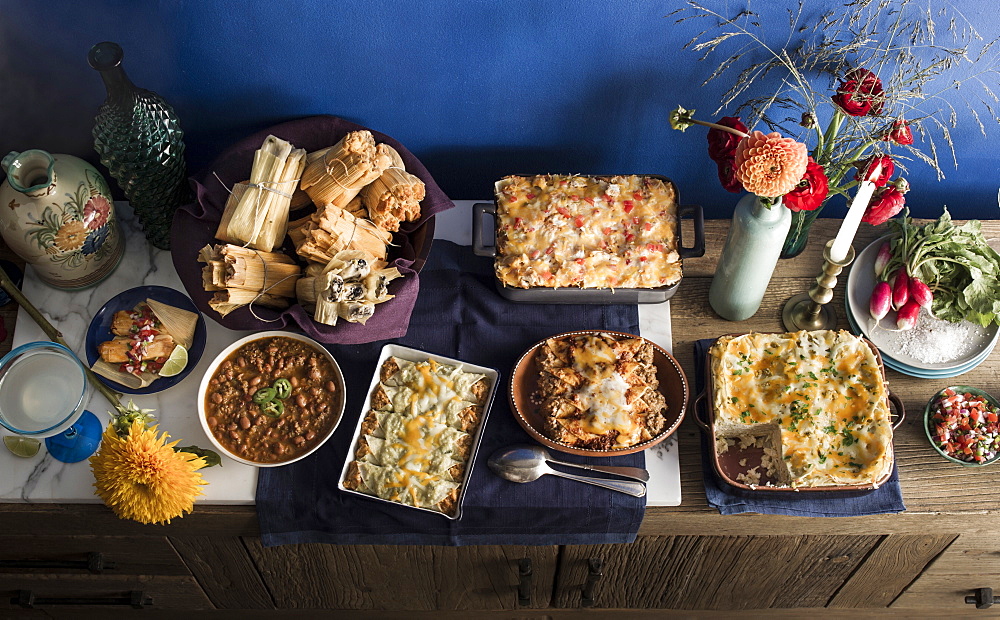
(331,229)
(392,198)
(337,174)
(241,275)
(347,287)
(256,214)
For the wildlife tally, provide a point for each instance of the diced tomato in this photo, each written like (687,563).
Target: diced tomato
(606,231)
(575,198)
(609,199)
(535,254)
(629,237)
(517,222)
(563,211)
(578,221)
(637,195)
(549,250)
(589,200)
(530,196)
(580,261)
(647,226)
(628,205)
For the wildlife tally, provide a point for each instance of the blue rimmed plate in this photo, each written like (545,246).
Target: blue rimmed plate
(861,283)
(100,331)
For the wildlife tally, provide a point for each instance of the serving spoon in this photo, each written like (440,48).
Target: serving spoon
(635,473)
(524,463)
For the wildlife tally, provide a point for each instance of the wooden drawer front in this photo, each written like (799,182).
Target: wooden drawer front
(712,572)
(95,592)
(972,561)
(118,555)
(402,577)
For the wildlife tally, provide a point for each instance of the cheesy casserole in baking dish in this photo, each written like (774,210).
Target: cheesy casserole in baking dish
(599,391)
(561,231)
(817,401)
(417,438)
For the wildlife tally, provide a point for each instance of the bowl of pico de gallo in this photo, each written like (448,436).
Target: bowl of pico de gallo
(963,425)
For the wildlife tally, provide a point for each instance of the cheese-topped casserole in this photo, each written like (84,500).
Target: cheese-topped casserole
(590,232)
(417,436)
(599,391)
(818,399)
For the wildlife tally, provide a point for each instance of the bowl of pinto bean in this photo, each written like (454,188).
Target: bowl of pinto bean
(271,399)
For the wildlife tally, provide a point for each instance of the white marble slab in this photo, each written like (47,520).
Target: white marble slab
(42,479)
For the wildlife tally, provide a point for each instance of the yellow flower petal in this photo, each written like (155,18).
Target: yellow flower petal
(140,477)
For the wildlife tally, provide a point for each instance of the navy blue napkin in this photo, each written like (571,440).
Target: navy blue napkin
(458,314)
(730,500)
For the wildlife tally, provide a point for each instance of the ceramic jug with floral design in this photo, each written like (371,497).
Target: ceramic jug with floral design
(57,214)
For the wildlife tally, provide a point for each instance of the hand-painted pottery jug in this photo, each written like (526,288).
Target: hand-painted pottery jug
(57,214)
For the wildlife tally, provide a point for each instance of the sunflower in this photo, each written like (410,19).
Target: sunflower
(71,236)
(140,476)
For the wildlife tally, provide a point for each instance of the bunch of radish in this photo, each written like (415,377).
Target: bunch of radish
(898,290)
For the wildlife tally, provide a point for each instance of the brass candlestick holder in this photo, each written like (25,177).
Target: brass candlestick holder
(812,310)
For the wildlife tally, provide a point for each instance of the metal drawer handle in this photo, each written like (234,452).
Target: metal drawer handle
(524,585)
(135,599)
(983,598)
(594,574)
(95,563)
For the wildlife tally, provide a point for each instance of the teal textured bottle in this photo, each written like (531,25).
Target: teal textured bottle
(139,139)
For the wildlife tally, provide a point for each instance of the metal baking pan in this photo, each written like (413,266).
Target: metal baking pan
(736,460)
(573,295)
(416,355)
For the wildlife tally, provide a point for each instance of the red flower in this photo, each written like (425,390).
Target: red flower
(860,93)
(899,133)
(865,169)
(722,144)
(886,203)
(96,212)
(811,191)
(727,175)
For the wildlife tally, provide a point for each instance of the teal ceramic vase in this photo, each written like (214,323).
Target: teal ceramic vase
(749,256)
(139,138)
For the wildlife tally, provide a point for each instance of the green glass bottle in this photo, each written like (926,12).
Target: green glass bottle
(139,139)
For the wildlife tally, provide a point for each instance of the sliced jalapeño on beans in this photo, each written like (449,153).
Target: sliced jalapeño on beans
(282,388)
(264,395)
(273,408)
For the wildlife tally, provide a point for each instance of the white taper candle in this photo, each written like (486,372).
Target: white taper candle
(849,228)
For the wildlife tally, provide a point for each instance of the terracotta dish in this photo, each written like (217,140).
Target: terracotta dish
(739,460)
(524,383)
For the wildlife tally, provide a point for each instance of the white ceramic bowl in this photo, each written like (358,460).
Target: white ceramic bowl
(203,390)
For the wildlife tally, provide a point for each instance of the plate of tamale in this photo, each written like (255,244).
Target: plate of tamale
(316,225)
(133,334)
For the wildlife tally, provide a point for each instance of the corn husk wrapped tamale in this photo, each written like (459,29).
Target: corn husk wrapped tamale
(331,230)
(131,346)
(348,287)
(339,174)
(392,198)
(234,272)
(256,213)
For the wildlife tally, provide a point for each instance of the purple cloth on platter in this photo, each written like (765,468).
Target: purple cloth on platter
(195,224)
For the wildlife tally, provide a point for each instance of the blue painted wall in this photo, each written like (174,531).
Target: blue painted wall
(475,88)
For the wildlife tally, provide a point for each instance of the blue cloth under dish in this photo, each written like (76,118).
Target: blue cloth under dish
(458,314)
(730,500)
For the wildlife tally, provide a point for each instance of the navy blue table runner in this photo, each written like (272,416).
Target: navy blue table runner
(458,314)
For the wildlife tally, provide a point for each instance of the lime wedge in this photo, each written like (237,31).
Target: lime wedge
(24,447)
(176,363)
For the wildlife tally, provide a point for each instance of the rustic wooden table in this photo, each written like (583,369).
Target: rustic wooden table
(689,557)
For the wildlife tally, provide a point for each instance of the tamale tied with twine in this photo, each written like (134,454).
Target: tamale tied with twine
(336,175)
(256,214)
(241,276)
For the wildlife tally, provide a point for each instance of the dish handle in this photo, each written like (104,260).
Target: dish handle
(698,249)
(897,404)
(478,211)
(699,406)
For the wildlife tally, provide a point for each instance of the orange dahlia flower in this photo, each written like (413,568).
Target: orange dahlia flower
(770,165)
